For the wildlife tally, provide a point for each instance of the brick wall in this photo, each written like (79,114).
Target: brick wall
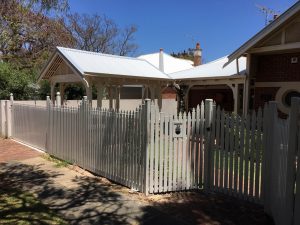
(223,97)
(264,94)
(277,68)
(169,93)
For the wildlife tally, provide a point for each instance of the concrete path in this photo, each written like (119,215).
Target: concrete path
(81,198)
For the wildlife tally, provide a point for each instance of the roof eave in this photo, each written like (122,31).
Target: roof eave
(46,66)
(230,77)
(105,75)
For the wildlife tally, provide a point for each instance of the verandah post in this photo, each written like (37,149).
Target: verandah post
(208,113)
(147,146)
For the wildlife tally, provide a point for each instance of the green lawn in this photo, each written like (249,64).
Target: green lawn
(17,207)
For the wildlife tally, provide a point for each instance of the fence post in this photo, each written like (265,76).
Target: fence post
(48,105)
(2,118)
(270,117)
(58,99)
(147,145)
(291,157)
(8,112)
(208,112)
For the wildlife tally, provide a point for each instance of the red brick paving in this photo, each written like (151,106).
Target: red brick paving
(13,151)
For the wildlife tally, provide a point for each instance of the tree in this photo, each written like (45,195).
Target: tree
(30,30)
(186,54)
(100,34)
(12,80)
(28,37)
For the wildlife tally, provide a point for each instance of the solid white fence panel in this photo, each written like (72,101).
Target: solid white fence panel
(30,125)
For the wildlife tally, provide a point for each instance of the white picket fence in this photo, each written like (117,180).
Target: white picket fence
(106,142)
(281,173)
(215,150)
(252,157)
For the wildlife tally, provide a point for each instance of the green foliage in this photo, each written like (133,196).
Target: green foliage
(30,30)
(186,54)
(18,82)
(58,162)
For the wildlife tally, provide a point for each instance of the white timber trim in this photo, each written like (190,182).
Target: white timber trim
(281,47)
(279,97)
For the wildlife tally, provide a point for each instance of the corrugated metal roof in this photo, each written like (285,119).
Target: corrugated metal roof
(212,69)
(103,64)
(171,64)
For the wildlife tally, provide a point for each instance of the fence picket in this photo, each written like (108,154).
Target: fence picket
(222,150)
(217,148)
(152,147)
(236,152)
(166,152)
(246,175)
(242,151)
(231,151)
(161,152)
(171,150)
(258,149)
(184,152)
(198,175)
(252,154)
(227,140)
(188,152)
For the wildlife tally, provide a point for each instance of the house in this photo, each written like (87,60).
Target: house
(265,68)
(168,64)
(212,80)
(273,62)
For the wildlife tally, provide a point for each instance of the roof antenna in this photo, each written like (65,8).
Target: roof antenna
(267,12)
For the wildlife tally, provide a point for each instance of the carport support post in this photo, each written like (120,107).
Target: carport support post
(100,90)
(53,92)
(117,96)
(236,98)
(208,113)
(62,88)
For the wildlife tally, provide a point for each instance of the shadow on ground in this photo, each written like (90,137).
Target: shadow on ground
(88,203)
(208,208)
(91,202)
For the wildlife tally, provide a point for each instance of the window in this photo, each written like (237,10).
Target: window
(288,97)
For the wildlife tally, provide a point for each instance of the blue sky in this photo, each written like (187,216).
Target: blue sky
(220,26)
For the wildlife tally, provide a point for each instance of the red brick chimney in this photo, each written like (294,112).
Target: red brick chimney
(197,55)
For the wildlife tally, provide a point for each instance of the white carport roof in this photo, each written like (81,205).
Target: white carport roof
(171,64)
(212,70)
(103,64)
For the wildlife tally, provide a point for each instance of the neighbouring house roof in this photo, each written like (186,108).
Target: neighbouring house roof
(104,64)
(212,69)
(171,64)
(275,24)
